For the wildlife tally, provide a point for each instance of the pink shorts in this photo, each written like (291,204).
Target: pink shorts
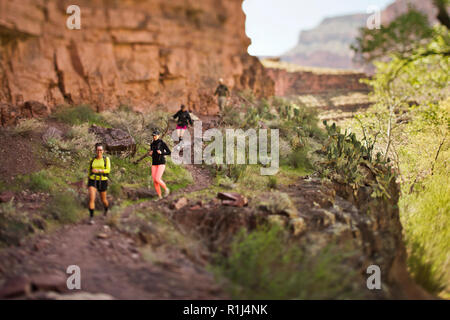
(182,127)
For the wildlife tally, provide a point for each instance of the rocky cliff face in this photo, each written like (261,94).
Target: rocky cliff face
(147,54)
(328,45)
(291,80)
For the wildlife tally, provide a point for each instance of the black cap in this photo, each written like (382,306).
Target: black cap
(155,132)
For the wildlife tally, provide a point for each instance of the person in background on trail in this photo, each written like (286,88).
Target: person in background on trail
(184,119)
(99,169)
(222,92)
(158,151)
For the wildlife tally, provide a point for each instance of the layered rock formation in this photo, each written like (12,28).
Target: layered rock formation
(146,54)
(291,80)
(328,45)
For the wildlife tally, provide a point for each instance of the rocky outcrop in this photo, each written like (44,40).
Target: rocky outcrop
(290,80)
(116,140)
(11,114)
(146,54)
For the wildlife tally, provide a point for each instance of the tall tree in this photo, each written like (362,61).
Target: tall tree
(401,37)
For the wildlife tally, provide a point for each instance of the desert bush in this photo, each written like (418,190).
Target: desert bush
(272,182)
(14,224)
(225,181)
(59,149)
(248,96)
(264,264)
(231,116)
(177,176)
(81,141)
(425,217)
(78,115)
(115,189)
(299,160)
(64,207)
(277,202)
(41,181)
(138,125)
(27,126)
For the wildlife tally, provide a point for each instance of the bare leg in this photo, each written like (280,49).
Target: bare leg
(105,202)
(92,193)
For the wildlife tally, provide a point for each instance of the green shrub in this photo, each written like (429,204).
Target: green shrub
(115,189)
(81,141)
(235,171)
(424,270)
(14,225)
(40,181)
(272,182)
(299,160)
(426,220)
(226,182)
(264,264)
(278,203)
(231,116)
(78,115)
(27,126)
(64,207)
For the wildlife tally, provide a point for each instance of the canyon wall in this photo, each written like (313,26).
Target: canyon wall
(150,55)
(292,82)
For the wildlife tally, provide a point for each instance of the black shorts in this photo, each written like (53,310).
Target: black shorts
(100,185)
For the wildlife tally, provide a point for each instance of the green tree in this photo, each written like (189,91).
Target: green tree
(401,37)
(410,118)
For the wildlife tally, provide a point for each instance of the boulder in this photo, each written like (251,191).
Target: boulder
(116,140)
(298,225)
(179,204)
(51,133)
(140,193)
(35,109)
(49,282)
(6,196)
(9,114)
(15,287)
(232,199)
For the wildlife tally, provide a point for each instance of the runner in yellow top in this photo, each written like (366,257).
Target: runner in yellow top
(99,170)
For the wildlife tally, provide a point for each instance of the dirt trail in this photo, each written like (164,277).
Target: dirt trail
(113,264)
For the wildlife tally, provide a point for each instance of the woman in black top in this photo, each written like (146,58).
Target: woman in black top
(184,119)
(158,151)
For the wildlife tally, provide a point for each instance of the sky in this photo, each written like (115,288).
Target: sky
(274,25)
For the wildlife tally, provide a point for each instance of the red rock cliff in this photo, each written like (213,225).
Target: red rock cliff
(291,80)
(153,54)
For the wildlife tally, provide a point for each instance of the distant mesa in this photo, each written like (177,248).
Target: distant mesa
(328,44)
